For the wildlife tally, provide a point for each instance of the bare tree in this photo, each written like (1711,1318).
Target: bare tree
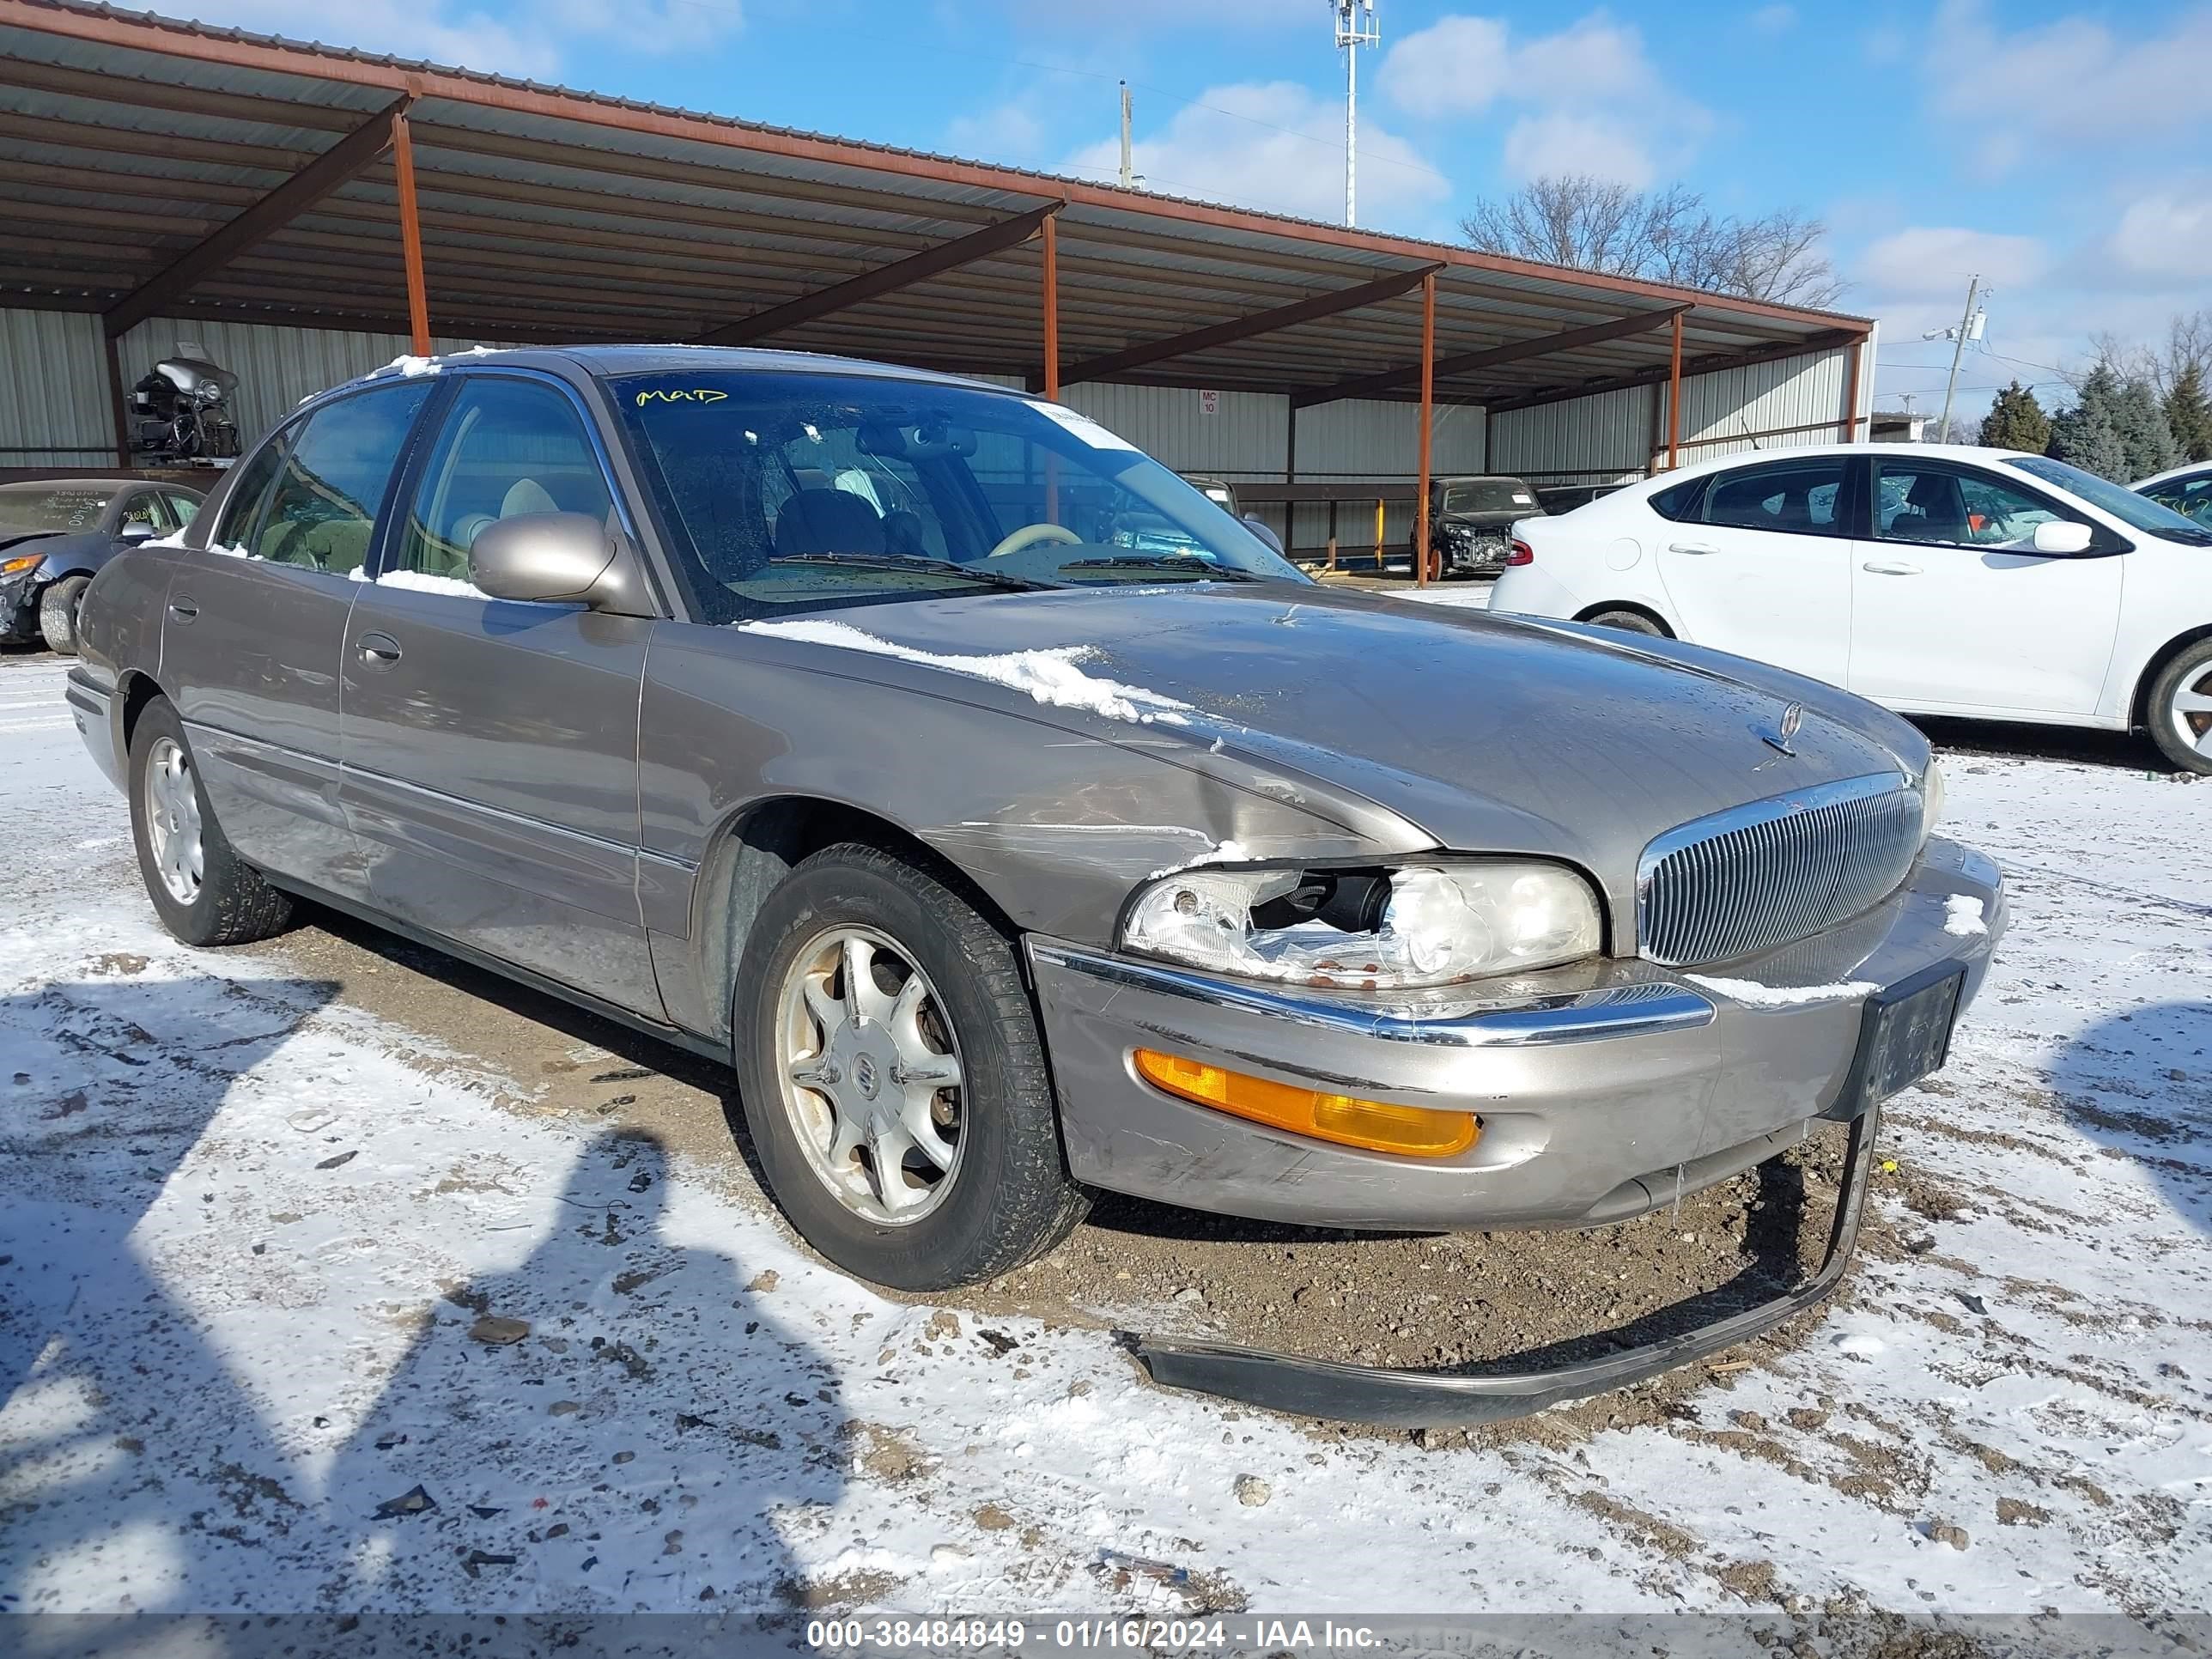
(1670,235)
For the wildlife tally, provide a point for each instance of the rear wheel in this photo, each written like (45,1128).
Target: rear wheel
(57,608)
(203,892)
(1628,622)
(894,1078)
(2181,708)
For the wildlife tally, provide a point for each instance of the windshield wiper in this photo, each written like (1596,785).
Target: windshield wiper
(1180,565)
(915,562)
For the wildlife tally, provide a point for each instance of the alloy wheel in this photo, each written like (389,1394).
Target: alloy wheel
(871,1074)
(172,820)
(2190,710)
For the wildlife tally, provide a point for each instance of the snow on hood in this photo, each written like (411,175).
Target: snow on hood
(1048,675)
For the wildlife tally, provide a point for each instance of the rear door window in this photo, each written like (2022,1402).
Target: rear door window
(1797,498)
(312,497)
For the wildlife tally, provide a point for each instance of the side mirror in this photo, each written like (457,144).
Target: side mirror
(557,558)
(1261,528)
(134,533)
(2061,536)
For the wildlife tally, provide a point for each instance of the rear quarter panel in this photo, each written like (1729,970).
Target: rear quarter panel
(120,628)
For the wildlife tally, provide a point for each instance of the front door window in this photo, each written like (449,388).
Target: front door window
(509,448)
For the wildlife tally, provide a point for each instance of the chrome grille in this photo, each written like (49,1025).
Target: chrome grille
(1769,873)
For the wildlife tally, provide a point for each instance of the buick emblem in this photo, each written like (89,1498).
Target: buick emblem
(1784,729)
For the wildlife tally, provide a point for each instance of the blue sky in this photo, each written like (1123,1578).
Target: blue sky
(2060,151)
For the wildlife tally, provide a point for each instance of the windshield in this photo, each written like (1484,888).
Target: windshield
(782,492)
(2190,495)
(2137,511)
(1491,496)
(42,506)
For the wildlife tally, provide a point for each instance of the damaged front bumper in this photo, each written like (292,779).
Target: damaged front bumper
(1404,1399)
(1604,1093)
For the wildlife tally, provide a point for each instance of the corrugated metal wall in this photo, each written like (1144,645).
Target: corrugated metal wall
(1357,439)
(1609,437)
(53,389)
(276,366)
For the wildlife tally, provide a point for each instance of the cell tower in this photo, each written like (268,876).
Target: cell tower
(1355,27)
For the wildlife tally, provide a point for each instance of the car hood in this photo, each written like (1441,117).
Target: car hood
(11,535)
(1490,733)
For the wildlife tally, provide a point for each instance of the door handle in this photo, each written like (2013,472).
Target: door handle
(1890,567)
(183,609)
(1691,547)
(377,650)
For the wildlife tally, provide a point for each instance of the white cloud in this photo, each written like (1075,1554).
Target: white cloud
(1010,133)
(1276,146)
(2167,236)
(1090,17)
(2069,82)
(1565,142)
(443,32)
(1586,98)
(1931,260)
(1773,20)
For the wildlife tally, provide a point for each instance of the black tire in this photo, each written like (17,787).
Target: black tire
(2177,736)
(58,613)
(233,905)
(1012,1198)
(1628,622)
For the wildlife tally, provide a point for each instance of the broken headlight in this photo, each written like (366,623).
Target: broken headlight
(1368,930)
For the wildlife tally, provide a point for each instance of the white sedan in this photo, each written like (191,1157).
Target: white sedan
(1937,579)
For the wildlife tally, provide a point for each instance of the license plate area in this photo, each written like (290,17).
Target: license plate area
(1905,1034)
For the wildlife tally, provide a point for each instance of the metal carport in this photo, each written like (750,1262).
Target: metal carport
(150,168)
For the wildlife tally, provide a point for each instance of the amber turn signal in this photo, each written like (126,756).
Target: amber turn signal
(1347,1120)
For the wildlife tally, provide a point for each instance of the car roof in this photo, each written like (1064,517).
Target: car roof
(673,357)
(1970,455)
(76,483)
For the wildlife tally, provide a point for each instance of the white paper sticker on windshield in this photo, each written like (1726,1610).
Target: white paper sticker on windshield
(1522,498)
(1081,425)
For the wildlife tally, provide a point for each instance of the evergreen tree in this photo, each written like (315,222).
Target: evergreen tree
(2088,434)
(2016,421)
(2190,414)
(2144,435)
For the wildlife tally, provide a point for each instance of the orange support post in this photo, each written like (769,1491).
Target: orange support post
(410,234)
(1674,400)
(1852,394)
(1051,232)
(1428,428)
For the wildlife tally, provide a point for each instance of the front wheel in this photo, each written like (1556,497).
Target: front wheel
(57,609)
(203,892)
(2181,709)
(894,1078)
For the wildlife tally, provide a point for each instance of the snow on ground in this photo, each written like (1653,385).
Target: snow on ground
(252,1245)
(1467,595)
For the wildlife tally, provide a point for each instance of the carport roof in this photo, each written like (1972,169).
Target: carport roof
(128,142)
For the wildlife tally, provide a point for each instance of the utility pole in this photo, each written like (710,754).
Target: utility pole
(1959,350)
(1355,27)
(1129,172)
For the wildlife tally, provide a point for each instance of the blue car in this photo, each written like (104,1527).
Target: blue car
(56,532)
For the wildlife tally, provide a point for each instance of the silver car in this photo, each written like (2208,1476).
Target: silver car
(1018,823)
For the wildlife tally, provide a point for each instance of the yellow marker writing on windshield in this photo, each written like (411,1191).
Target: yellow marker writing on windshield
(700,396)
